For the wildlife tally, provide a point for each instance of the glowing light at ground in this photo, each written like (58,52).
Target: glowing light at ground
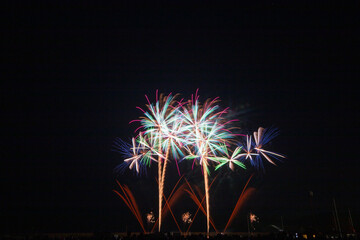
(186,217)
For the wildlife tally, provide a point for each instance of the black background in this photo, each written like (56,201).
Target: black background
(73,74)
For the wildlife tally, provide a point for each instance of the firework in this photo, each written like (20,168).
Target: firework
(253,218)
(243,196)
(191,131)
(262,137)
(249,149)
(158,122)
(137,155)
(150,218)
(227,159)
(130,202)
(172,142)
(148,148)
(205,131)
(132,155)
(172,198)
(199,203)
(186,217)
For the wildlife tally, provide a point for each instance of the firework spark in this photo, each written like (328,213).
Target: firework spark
(132,155)
(161,122)
(199,204)
(205,132)
(130,202)
(150,218)
(229,159)
(249,149)
(253,218)
(262,137)
(172,198)
(186,217)
(191,131)
(244,194)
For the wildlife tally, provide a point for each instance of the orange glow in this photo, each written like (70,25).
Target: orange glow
(159,185)
(199,204)
(244,194)
(130,203)
(167,203)
(173,197)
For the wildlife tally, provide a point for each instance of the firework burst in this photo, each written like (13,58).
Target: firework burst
(248,149)
(132,156)
(186,217)
(263,137)
(150,218)
(232,159)
(190,131)
(205,132)
(161,121)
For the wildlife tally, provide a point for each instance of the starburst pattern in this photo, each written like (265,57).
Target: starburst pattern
(190,130)
(263,137)
(229,159)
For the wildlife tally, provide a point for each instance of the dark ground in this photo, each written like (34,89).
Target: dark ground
(273,236)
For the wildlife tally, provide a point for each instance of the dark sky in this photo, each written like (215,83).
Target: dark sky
(74,73)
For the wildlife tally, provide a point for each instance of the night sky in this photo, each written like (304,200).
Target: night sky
(74,73)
